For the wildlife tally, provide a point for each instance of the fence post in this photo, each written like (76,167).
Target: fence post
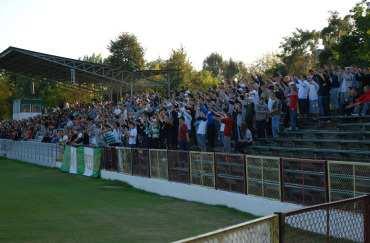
(326,181)
(327,223)
(281,225)
(214,170)
(245,174)
(367,219)
(281,180)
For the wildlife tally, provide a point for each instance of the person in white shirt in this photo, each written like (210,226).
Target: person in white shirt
(345,85)
(117,111)
(117,134)
(313,97)
(187,117)
(201,125)
(132,135)
(303,90)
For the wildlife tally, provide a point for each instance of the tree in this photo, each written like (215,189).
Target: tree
(214,64)
(269,65)
(179,61)
(94,58)
(6,94)
(354,48)
(231,69)
(202,80)
(126,53)
(299,51)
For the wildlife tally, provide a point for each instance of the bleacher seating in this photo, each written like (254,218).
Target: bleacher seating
(328,138)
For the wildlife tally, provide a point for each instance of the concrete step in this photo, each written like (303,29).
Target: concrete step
(310,153)
(326,134)
(316,143)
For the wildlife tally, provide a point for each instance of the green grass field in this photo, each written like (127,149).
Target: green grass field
(45,205)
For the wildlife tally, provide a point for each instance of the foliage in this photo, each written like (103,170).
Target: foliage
(299,51)
(203,79)
(347,40)
(94,58)
(354,48)
(179,61)
(269,65)
(6,94)
(231,69)
(214,64)
(58,93)
(126,53)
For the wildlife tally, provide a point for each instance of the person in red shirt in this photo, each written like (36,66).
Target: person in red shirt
(183,135)
(292,104)
(228,131)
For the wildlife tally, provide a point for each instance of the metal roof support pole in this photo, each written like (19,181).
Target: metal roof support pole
(73,75)
(131,88)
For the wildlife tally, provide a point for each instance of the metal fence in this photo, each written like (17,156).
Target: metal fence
(263,175)
(264,230)
(304,181)
(292,180)
(125,160)
(299,181)
(178,166)
(5,145)
(44,154)
(110,159)
(202,170)
(348,179)
(230,172)
(141,167)
(158,163)
(341,221)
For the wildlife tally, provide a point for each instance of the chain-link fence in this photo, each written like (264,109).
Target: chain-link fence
(348,179)
(341,221)
(141,165)
(263,175)
(230,172)
(262,230)
(110,159)
(202,168)
(158,163)
(178,166)
(304,181)
(125,160)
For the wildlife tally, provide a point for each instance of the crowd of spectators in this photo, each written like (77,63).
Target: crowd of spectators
(230,116)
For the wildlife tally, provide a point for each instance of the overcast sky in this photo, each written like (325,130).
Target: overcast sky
(241,29)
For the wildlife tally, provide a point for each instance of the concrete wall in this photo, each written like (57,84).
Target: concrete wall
(259,206)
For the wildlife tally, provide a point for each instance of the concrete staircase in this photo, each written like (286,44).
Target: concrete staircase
(327,138)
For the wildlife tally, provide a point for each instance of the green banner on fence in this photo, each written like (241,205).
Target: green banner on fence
(82,160)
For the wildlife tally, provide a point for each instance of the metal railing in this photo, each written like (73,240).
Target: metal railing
(264,230)
(230,172)
(348,179)
(293,180)
(341,221)
(304,181)
(263,175)
(44,154)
